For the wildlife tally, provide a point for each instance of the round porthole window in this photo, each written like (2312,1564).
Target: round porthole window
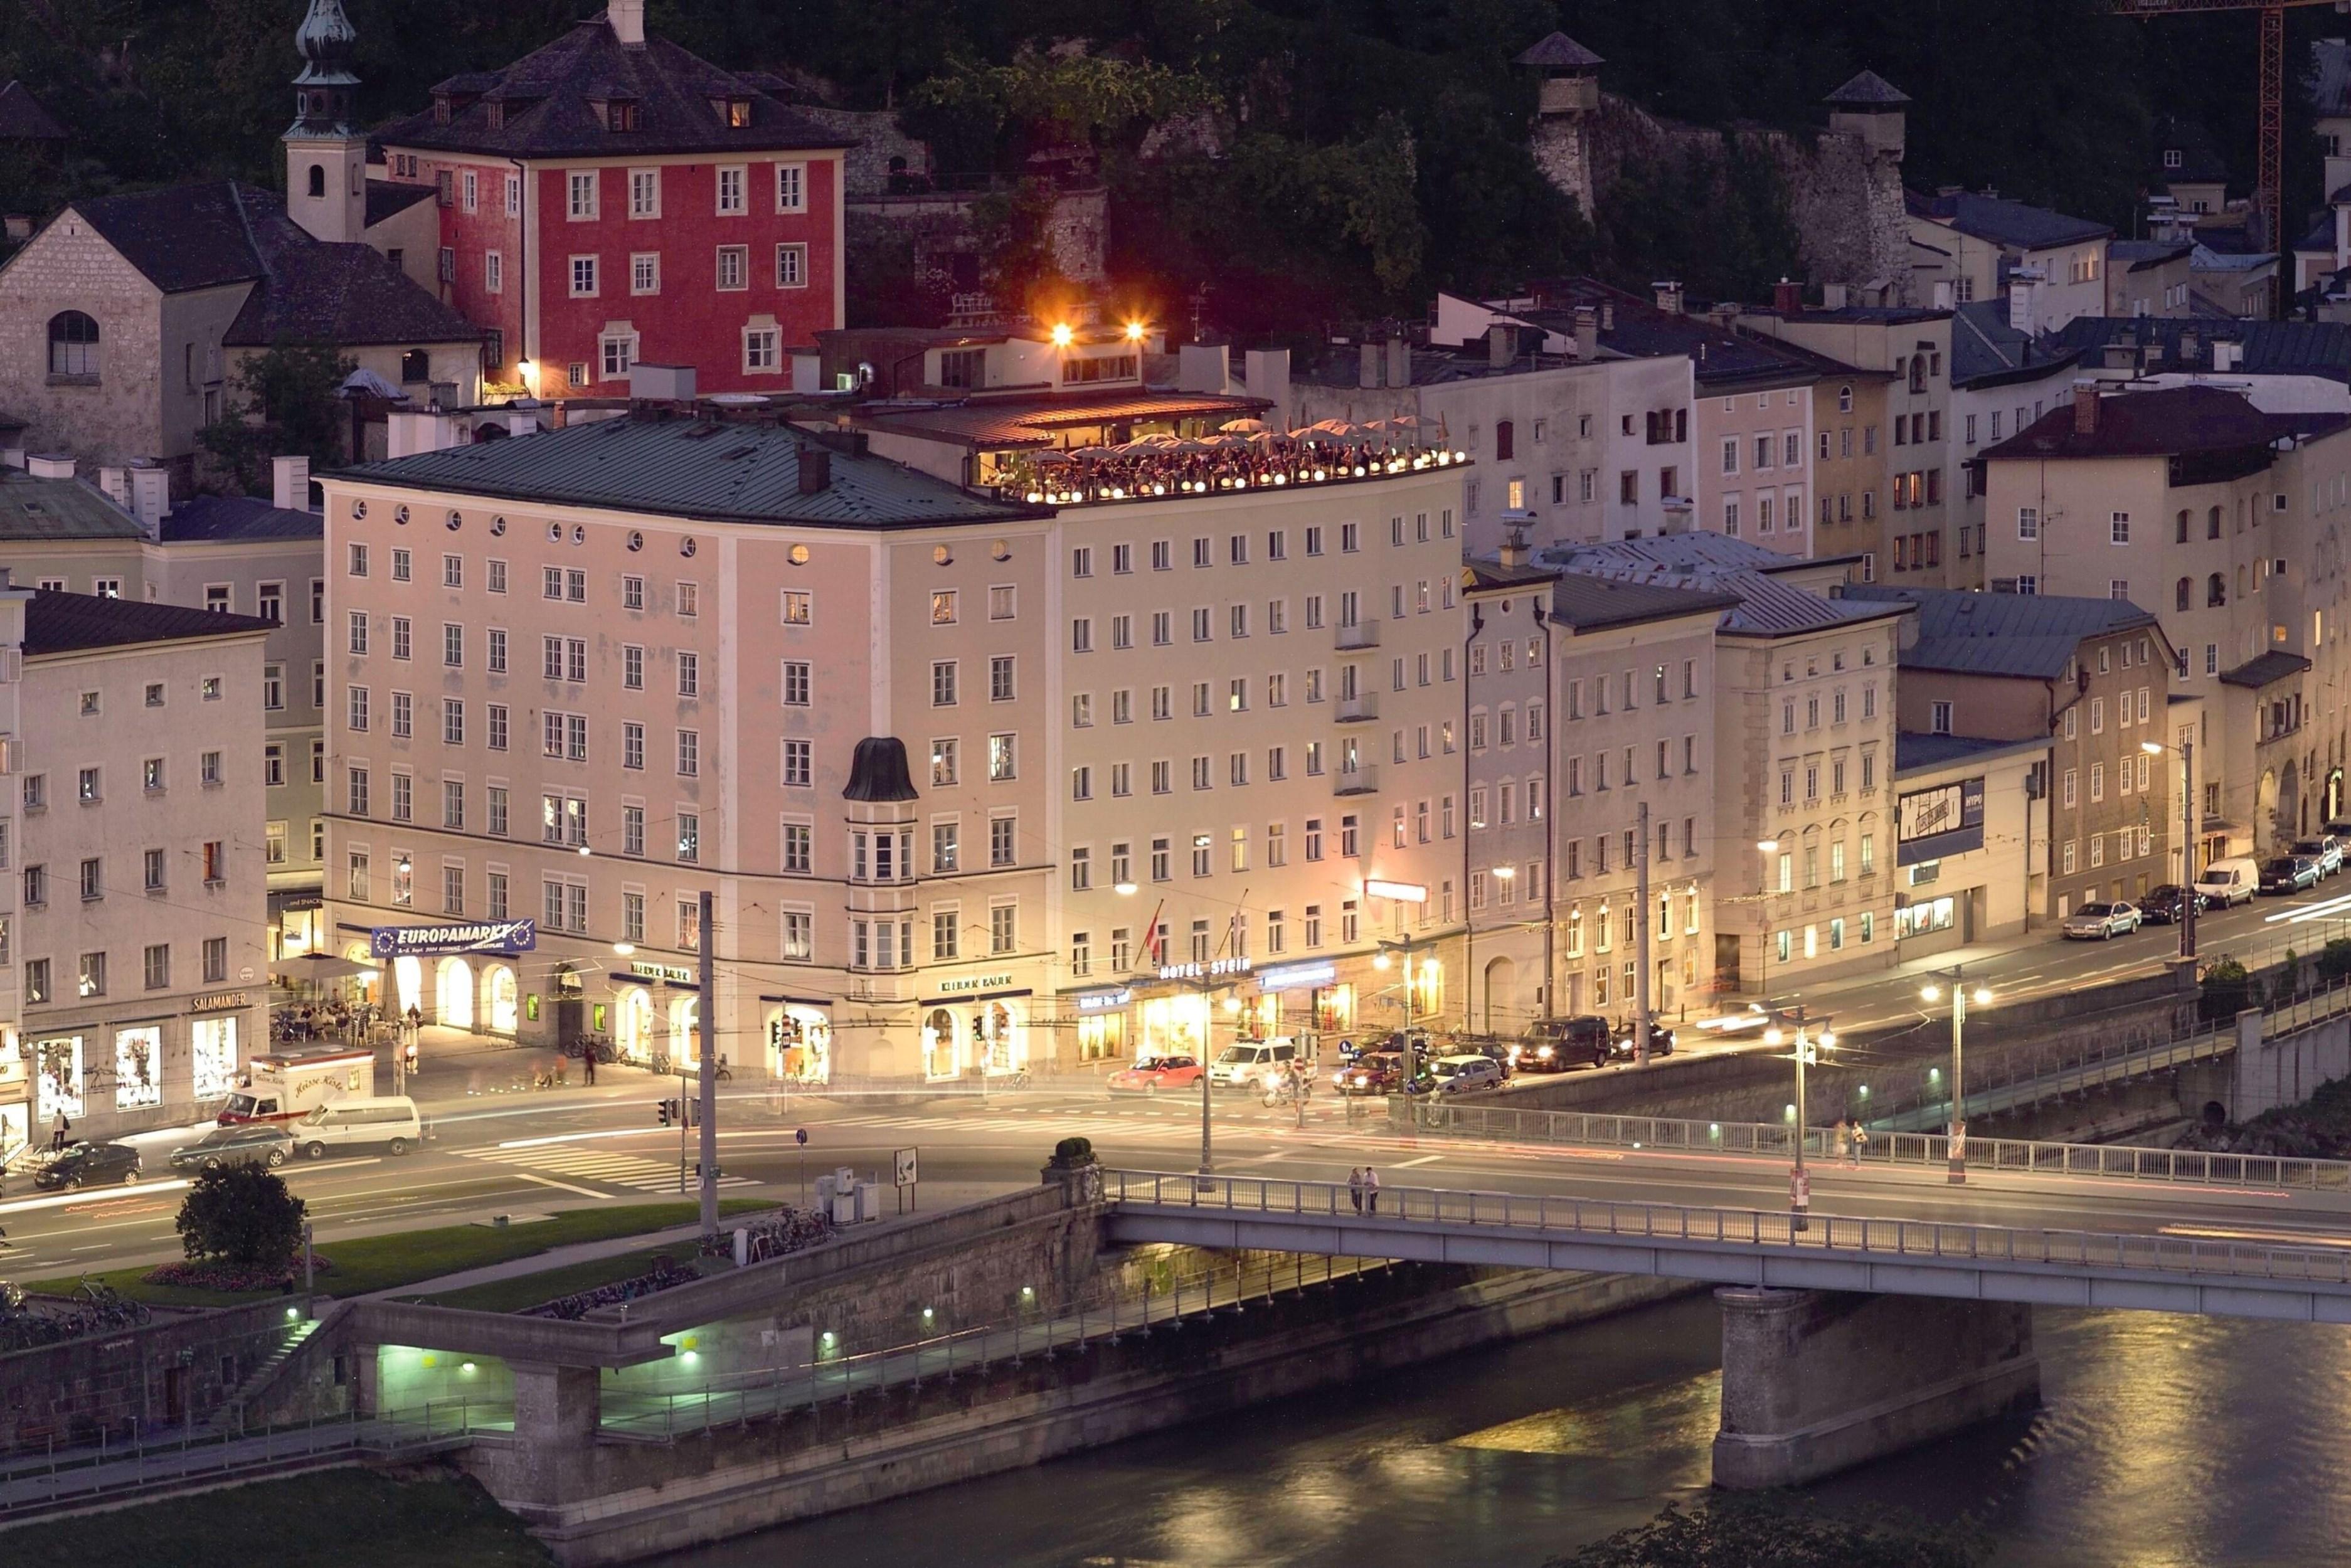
(999,550)
(942,556)
(800,555)
(579,533)
(359,510)
(456,521)
(555,533)
(636,539)
(686,546)
(498,527)
(400,516)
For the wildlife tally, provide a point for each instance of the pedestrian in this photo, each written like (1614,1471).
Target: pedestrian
(1355,1187)
(415,1017)
(588,1062)
(1860,1143)
(1371,1189)
(58,1134)
(1841,1140)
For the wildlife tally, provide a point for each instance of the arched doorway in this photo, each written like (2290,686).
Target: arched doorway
(632,1029)
(684,1028)
(799,1043)
(2265,799)
(1501,997)
(940,1058)
(2334,795)
(453,993)
(501,1000)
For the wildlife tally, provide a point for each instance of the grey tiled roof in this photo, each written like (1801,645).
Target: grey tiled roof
(1586,603)
(2265,669)
(1557,51)
(218,519)
(2271,348)
(2160,424)
(1868,91)
(2005,221)
(385,197)
(59,509)
(2029,636)
(1710,563)
(691,468)
(68,622)
(1987,350)
(1916,749)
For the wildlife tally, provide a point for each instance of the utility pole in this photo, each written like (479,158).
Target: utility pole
(2188,851)
(706,1014)
(1640,939)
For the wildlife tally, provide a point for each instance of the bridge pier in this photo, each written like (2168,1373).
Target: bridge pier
(1814,1382)
(555,1413)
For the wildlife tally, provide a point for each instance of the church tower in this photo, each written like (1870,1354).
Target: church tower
(325,154)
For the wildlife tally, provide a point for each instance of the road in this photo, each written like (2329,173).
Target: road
(564,1149)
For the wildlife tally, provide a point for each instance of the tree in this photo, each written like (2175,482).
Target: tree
(289,408)
(1766,1533)
(241,1215)
(2228,990)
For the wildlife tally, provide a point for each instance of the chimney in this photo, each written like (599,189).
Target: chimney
(2189,347)
(661,384)
(1514,547)
(1788,297)
(628,20)
(114,484)
(1608,314)
(1832,296)
(1367,365)
(1669,297)
(2021,281)
(1399,361)
(289,483)
(1202,368)
(1268,376)
(815,470)
(150,493)
(49,465)
(1587,331)
(2085,407)
(1501,345)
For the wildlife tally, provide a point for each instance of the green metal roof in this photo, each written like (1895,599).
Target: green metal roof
(718,469)
(34,508)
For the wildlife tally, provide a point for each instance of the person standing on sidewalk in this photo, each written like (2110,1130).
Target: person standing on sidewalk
(1860,1145)
(1355,1187)
(1371,1189)
(588,1062)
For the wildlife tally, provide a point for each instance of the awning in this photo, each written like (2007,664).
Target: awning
(319,966)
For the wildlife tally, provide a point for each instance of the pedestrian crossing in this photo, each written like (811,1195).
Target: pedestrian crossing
(610,1166)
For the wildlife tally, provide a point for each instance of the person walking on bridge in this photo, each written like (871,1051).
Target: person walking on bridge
(1371,1189)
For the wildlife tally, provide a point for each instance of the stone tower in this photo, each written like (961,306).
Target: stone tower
(1846,198)
(1564,113)
(1870,107)
(325,154)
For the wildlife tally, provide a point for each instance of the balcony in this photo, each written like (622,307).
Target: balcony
(1363,780)
(1359,709)
(1354,639)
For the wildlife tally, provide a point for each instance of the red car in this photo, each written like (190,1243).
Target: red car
(1153,1073)
(1374,1072)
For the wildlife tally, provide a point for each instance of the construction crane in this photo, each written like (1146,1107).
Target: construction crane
(2269,184)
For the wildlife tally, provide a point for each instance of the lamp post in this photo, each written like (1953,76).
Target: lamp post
(1799,1182)
(2187,749)
(1764,849)
(1961,995)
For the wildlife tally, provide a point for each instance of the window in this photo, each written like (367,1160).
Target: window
(733,266)
(798,763)
(792,187)
(2118,527)
(791,269)
(583,277)
(797,607)
(645,272)
(689,753)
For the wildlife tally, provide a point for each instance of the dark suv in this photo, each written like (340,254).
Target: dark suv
(90,1165)
(1555,1045)
(2164,905)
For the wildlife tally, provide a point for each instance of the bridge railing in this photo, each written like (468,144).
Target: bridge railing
(2119,1162)
(1577,1216)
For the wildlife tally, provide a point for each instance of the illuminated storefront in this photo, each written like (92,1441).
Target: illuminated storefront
(138,1067)
(212,1051)
(1102,1020)
(56,1078)
(800,1041)
(980,1026)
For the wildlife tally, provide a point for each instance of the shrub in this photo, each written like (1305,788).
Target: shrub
(2228,990)
(1072,1151)
(2334,959)
(241,1215)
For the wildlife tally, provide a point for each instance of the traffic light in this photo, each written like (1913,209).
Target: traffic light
(667,1110)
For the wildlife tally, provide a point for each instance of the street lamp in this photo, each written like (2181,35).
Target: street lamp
(1800,1184)
(1764,849)
(1961,995)
(2187,750)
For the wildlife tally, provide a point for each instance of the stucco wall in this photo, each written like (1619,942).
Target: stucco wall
(120,417)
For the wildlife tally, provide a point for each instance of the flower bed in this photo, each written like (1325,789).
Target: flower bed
(213,1275)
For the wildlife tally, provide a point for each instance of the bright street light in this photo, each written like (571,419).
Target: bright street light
(2152,748)
(1768,846)
(625,950)
(1124,889)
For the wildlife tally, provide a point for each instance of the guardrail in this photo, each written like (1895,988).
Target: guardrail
(1580,1129)
(1843,1234)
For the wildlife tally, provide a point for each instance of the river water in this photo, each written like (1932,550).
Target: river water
(2163,1442)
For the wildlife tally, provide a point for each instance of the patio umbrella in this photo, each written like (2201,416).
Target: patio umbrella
(1242,427)
(319,966)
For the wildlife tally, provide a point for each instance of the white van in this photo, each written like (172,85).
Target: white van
(2229,881)
(353,1123)
(1253,1063)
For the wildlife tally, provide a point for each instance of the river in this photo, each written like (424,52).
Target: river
(2163,1442)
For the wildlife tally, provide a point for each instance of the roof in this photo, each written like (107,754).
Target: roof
(1868,91)
(1557,51)
(2330,89)
(2005,221)
(219,232)
(1711,563)
(2268,347)
(224,520)
(2026,636)
(75,623)
(546,105)
(1000,424)
(2200,162)
(1718,355)
(1986,352)
(2141,254)
(877,771)
(1915,751)
(2160,424)
(2265,669)
(1584,603)
(388,197)
(22,117)
(44,509)
(1490,576)
(690,468)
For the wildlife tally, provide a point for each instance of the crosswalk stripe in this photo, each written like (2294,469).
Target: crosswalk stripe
(617,1170)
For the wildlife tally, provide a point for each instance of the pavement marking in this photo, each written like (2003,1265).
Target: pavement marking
(633,1171)
(1424,1160)
(79,1194)
(559,1185)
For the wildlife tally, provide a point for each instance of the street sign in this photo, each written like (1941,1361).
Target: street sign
(800,1136)
(903,1162)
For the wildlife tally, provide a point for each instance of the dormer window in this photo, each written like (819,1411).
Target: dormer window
(735,113)
(498,115)
(2171,158)
(439,109)
(623,114)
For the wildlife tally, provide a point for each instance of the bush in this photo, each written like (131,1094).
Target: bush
(1768,1532)
(2334,960)
(243,1216)
(1072,1151)
(2227,991)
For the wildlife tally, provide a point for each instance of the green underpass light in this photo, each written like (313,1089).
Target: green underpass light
(1865,1091)
(1934,1075)
(467,1367)
(1790,1113)
(1713,1129)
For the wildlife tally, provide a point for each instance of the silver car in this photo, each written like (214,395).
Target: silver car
(1459,1074)
(2100,921)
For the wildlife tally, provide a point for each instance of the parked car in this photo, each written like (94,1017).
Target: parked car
(1459,1074)
(247,1144)
(1661,1042)
(389,1123)
(1556,1045)
(1153,1073)
(2163,905)
(2230,882)
(2326,849)
(2100,921)
(1503,1053)
(2288,874)
(88,1164)
(1371,1072)
(1252,1063)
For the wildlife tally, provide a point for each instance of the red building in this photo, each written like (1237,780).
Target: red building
(610,198)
